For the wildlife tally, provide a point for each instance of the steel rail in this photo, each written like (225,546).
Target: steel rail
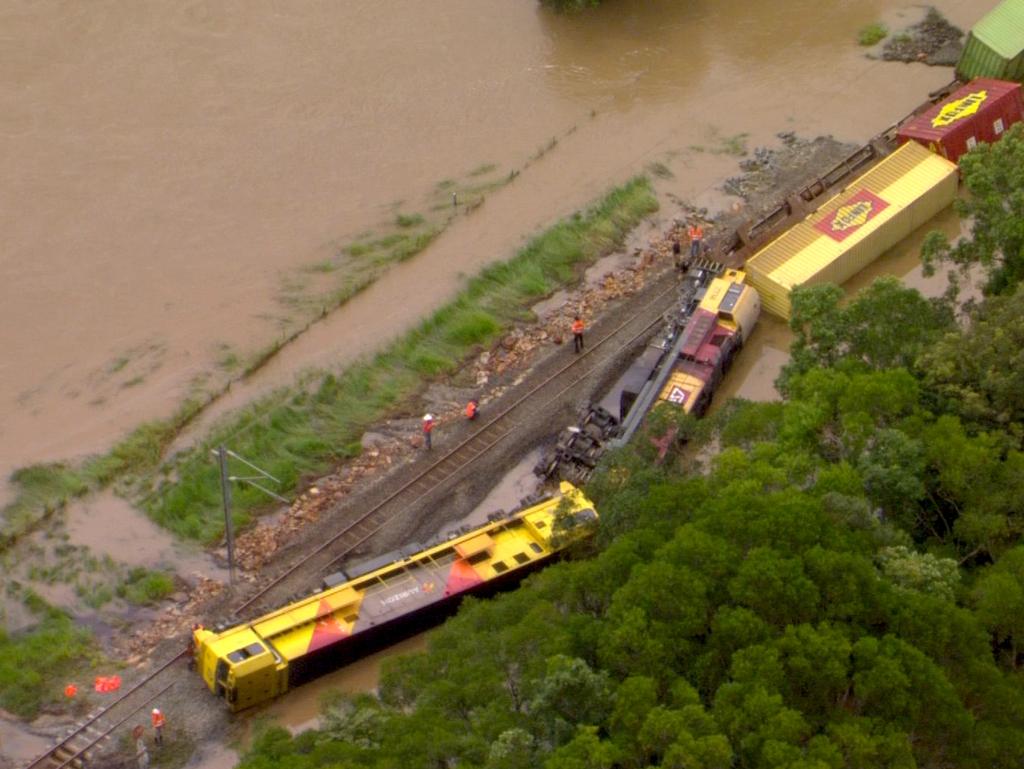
(498,422)
(41,761)
(81,753)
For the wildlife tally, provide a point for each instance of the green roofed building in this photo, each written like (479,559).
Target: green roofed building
(995,47)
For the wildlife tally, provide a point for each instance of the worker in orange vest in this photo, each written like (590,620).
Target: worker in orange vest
(696,233)
(428,428)
(577,334)
(158,726)
(472,408)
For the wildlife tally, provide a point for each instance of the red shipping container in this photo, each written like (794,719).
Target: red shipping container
(981,111)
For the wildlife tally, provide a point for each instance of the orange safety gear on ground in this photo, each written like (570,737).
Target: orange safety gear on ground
(106,684)
(70,691)
(471,409)
(158,719)
(577,326)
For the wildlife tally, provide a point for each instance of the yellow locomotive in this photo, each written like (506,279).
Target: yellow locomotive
(380,601)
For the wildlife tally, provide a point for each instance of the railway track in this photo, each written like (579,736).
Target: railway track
(453,465)
(75,750)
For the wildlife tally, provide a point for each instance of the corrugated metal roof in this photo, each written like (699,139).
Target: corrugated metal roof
(965,105)
(1002,28)
(865,206)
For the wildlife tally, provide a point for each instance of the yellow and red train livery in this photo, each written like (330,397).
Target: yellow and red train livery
(713,335)
(381,601)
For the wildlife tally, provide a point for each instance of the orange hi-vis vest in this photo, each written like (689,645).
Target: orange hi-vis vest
(577,327)
(696,232)
(158,720)
(471,409)
(428,426)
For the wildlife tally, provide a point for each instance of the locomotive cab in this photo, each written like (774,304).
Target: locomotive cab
(240,667)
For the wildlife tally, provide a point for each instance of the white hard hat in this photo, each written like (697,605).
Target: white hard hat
(156,711)
(428,417)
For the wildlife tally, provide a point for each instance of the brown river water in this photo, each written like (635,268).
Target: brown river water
(166,166)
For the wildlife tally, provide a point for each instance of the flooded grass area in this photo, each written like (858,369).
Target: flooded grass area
(110,526)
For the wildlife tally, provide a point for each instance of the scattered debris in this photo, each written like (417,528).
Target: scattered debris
(136,646)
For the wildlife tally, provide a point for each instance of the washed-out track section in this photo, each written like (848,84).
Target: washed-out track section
(77,748)
(90,734)
(451,467)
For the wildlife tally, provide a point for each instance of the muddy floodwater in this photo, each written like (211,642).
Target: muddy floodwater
(169,169)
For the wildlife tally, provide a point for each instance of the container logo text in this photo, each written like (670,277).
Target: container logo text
(959,108)
(851,215)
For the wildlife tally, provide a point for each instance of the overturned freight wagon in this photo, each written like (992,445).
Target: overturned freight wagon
(981,111)
(995,46)
(852,229)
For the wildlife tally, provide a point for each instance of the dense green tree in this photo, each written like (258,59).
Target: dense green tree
(993,174)
(887,325)
(977,372)
(999,602)
(585,751)
(924,572)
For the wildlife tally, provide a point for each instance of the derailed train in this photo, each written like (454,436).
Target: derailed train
(382,600)
(907,175)
(683,365)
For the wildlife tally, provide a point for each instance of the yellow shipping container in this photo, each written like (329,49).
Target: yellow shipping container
(855,227)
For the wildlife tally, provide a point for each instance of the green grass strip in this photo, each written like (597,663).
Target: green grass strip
(300,432)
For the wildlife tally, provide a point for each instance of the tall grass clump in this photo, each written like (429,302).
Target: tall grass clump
(872,33)
(145,587)
(298,433)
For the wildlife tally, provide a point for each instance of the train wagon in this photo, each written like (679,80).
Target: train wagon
(683,366)
(853,228)
(714,334)
(995,46)
(372,604)
(980,111)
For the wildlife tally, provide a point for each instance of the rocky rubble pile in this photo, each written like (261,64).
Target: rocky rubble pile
(258,544)
(787,167)
(933,41)
(175,620)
